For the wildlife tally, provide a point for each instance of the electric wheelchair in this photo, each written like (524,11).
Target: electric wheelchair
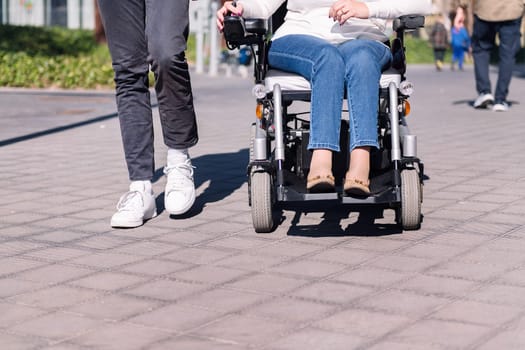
(279,159)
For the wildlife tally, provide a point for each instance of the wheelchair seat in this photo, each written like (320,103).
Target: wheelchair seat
(295,82)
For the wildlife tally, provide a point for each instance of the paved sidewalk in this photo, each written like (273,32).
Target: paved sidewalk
(330,280)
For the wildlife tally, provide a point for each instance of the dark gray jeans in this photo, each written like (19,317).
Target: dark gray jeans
(141,33)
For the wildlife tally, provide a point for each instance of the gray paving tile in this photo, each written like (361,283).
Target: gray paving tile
(317,339)
(233,329)
(54,297)
(20,342)
(186,342)
(56,326)
(446,334)
(113,307)
(363,323)
(477,313)
(121,336)
(166,290)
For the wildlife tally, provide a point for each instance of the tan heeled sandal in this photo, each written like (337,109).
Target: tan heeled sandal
(320,184)
(356,187)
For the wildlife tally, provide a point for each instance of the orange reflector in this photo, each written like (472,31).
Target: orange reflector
(406,107)
(259,111)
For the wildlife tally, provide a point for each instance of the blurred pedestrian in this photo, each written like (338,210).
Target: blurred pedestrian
(504,19)
(140,34)
(439,41)
(460,39)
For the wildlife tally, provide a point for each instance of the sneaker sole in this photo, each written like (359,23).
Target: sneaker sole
(131,224)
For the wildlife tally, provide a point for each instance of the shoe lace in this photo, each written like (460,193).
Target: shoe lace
(130,201)
(178,176)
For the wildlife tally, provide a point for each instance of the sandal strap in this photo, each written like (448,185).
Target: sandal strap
(359,182)
(320,177)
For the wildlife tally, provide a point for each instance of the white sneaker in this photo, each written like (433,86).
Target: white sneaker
(179,195)
(500,107)
(483,101)
(135,206)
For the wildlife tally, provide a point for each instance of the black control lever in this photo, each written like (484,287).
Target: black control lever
(234,29)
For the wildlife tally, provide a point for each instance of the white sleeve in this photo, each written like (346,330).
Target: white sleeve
(259,8)
(392,9)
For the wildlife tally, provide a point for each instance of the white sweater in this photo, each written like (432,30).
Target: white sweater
(310,17)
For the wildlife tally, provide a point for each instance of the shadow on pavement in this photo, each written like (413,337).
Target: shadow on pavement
(330,224)
(471,103)
(56,130)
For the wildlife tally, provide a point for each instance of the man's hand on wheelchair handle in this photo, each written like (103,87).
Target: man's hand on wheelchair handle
(229,7)
(342,10)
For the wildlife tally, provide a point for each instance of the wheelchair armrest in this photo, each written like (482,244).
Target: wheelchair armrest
(408,22)
(256,25)
(239,31)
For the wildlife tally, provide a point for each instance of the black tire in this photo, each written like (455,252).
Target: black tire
(261,201)
(410,211)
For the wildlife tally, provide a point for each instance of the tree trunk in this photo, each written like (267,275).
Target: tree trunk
(100,35)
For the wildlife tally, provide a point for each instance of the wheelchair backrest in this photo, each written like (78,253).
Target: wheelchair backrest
(278,17)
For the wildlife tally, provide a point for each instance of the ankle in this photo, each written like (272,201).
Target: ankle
(141,186)
(177,156)
(359,168)
(321,163)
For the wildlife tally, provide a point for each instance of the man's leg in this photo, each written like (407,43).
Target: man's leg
(509,37)
(124,27)
(167,26)
(483,36)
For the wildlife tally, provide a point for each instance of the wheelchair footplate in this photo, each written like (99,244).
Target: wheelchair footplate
(381,187)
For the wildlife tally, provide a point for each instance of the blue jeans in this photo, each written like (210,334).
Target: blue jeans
(458,55)
(483,41)
(355,65)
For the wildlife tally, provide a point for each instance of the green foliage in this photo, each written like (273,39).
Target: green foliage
(418,50)
(53,57)
(43,57)
(46,41)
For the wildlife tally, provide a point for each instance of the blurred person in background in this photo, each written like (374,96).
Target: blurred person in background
(439,41)
(504,19)
(460,39)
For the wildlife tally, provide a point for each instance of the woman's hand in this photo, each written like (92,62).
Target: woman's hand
(342,10)
(228,7)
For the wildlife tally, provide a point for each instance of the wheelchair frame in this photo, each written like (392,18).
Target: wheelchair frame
(277,175)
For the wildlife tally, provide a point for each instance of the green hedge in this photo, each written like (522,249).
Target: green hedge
(52,57)
(56,57)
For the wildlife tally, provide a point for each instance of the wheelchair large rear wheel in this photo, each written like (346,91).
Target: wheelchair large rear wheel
(261,189)
(410,211)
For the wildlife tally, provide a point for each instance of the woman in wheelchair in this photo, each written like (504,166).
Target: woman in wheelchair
(341,48)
